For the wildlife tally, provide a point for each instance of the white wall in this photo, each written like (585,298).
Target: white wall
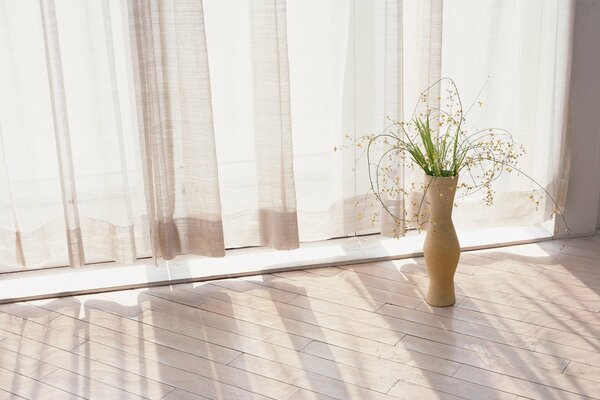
(583,198)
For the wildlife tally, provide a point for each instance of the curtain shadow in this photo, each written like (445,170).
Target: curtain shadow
(283,329)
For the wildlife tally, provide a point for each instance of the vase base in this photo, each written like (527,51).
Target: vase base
(441,302)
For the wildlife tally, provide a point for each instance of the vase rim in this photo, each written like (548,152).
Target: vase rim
(442,177)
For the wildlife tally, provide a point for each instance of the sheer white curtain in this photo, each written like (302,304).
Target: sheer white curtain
(132,129)
(72,188)
(361,61)
(249,74)
(523,50)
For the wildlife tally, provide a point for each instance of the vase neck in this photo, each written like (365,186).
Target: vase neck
(440,196)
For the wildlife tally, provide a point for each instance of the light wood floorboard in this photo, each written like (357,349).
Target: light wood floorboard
(526,326)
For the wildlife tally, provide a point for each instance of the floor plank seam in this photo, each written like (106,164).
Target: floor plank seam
(72,350)
(400,339)
(392,386)
(53,317)
(235,358)
(44,376)
(144,291)
(294,393)
(302,348)
(292,299)
(169,393)
(566,366)
(378,308)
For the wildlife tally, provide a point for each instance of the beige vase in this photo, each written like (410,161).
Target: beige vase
(441,247)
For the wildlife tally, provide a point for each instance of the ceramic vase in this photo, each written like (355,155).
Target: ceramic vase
(441,247)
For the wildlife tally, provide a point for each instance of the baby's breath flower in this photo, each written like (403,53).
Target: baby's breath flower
(438,141)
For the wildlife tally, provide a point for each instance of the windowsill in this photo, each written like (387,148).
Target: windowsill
(108,277)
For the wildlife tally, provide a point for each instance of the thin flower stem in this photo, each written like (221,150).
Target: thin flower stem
(436,141)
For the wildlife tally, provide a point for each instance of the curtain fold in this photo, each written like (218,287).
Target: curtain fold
(427,39)
(62,133)
(561,151)
(277,218)
(127,249)
(13,246)
(171,75)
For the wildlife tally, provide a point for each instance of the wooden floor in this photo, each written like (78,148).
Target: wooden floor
(526,326)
